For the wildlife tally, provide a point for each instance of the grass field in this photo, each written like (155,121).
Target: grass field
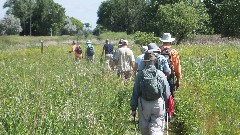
(51,94)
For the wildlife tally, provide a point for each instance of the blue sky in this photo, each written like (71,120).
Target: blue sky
(83,10)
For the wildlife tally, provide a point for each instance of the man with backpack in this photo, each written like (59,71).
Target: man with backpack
(150,95)
(77,51)
(89,51)
(125,61)
(108,52)
(161,62)
(173,59)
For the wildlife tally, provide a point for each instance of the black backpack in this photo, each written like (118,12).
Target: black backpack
(166,53)
(78,50)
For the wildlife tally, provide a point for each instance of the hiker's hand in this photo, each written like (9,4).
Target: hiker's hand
(177,84)
(133,113)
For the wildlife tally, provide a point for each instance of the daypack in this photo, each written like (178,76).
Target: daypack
(150,86)
(78,50)
(166,53)
(90,51)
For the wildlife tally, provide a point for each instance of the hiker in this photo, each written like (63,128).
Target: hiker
(115,56)
(162,63)
(125,61)
(77,51)
(150,95)
(140,58)
(89,51)
(108,52)
(173,58)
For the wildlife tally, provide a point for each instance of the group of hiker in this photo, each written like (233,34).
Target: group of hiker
(153,71)
(78,52)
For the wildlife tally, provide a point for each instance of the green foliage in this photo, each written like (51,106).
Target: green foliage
(208,100)
(37,16)
(10,25)
(77,22)
(180,19)
(224,16)
(51,94)
(143,38)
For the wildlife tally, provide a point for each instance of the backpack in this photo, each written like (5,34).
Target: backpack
(90,51)
(166,53)
(150,86)
(78,50)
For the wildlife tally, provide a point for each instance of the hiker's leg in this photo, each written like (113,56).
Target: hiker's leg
(156,124)
(144,113)
(107,58)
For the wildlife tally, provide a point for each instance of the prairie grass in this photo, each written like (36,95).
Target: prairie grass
(51,94)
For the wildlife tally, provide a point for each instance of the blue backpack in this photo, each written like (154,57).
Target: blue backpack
(90,50)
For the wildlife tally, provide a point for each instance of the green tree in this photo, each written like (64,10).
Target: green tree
(225,16)
(181,19)
(77,22)
(10,25)
(38,17)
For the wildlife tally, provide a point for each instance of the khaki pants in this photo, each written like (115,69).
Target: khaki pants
(151,116)
(109,61)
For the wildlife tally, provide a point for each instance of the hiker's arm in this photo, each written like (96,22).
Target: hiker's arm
(103,51)
(166,91)
(166,68)
(135,93)
(176,67)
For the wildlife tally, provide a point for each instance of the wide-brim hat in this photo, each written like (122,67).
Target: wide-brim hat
(144,49)
(124,41)
(149,56)
(153,47)
(167,38)
(88,42)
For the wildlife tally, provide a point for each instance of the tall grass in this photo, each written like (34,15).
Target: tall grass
(51,94)
(208,101)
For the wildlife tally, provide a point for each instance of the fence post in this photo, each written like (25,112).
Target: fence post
(42,46)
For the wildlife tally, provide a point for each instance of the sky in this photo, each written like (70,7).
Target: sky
(83,10)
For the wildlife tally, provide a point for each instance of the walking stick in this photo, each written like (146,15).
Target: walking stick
(135,124)
(167,123)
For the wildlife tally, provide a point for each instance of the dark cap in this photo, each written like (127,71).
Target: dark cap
(149,56)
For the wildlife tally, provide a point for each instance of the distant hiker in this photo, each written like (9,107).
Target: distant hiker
(89,53)
(108,53)
(139,58)
(150,95)
(161,62)
(173,59)
(125,61)
(115,57)
(77,51)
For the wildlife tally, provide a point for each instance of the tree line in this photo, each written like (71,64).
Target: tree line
(38,18)
(183,18)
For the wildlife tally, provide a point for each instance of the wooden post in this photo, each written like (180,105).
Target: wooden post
(42,46)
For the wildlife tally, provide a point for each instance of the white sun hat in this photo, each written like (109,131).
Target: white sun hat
(88,42)
(167,38)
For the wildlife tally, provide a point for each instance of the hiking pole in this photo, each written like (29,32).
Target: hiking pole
(167,123)
(135,124)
